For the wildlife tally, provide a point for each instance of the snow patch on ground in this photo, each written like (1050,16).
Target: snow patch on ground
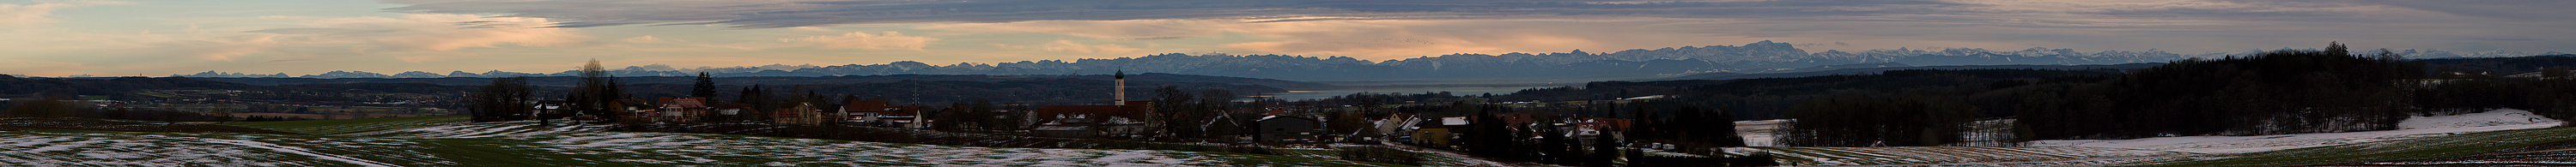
(292,150)
(1843,156)
(634,147)
(486,130)
(559,145)
(21,148)
(2415,127)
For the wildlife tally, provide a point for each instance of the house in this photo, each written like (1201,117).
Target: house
(550,109)
(1286,129)
(1397,124)
(1437,132)
(618,110)
(1585,129)
(799,113)
(1080,121)
(732,112)
(1069,126)
(901,120)
(1120,118)
(1432,136)
(1519,123)
(679,109)
(872,112)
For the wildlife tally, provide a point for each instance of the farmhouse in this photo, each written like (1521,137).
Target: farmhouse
(1119,118)
(678,109)
(1092,120)
(873,112)
(1286,129)
(800,113)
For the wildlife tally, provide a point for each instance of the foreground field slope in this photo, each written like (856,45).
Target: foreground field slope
(2044,156)
(531,144)
(2428,147)
(2417,137)
(2411,128)
(340,126)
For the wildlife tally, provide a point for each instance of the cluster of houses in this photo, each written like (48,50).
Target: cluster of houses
(1445,131)
(1119,117)
(699,109)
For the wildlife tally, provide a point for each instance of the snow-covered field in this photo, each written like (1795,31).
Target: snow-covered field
(483,130)
(2112,152)
(350,125)
(2040,156)
(82,148)
(694,149)
(528,144)
(2416,127)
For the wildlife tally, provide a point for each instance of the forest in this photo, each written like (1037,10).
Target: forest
(2276,92)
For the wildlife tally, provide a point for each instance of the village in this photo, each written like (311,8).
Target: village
(1119,118)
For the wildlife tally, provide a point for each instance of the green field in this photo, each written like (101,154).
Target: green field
(342,126)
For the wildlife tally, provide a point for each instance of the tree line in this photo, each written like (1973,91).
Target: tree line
(64,107)
(2274,92)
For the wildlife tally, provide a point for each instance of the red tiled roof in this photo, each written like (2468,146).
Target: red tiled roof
(684,102)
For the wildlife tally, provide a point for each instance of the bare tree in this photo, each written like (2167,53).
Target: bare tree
(501,99)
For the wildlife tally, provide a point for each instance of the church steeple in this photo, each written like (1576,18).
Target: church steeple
(1118,88)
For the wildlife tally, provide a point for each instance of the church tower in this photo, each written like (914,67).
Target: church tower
(1118,89)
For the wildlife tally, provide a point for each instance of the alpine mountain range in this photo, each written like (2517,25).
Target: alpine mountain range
(1757,57)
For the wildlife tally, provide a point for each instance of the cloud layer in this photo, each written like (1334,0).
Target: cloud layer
(1431,27)
(865,41)
(436,32)
(437,35)
(801,13)
(17,16)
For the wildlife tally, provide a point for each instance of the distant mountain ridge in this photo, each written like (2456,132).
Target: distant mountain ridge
(1757,57)
(1880,69)
(561,81)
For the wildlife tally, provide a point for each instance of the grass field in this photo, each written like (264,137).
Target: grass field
(341,126)
(529,144)
(2429,147)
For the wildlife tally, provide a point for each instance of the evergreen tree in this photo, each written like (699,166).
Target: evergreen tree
(706,87)
(1853,121)
(759,100)
(1605,149)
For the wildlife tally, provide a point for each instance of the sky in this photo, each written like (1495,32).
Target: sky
(300,37)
